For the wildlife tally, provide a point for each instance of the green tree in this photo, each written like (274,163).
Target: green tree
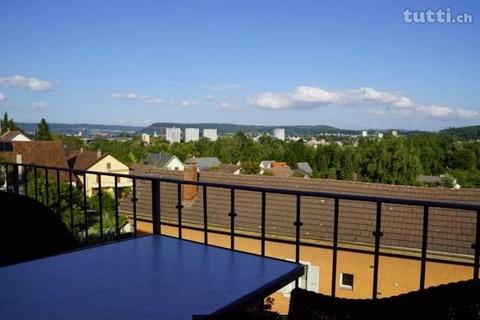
(43,131)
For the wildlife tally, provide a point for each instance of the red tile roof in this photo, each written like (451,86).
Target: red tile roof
(8,136)
(82,160)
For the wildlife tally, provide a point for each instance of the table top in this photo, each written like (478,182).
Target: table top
(151,277)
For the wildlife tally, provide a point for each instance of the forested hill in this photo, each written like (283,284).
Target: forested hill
(225,128)
(464,133)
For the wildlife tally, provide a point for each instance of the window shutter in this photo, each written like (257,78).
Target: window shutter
(313,278)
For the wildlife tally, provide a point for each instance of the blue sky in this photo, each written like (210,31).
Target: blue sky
(350,64)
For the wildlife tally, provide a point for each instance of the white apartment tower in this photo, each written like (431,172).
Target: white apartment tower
(192,134)
(173,135)
(279,134)
(210,134)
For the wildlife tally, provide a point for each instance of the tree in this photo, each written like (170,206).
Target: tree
(43,131)
(8,124)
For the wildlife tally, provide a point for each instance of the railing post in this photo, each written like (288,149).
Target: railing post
(134,202)
(232,215)
(335,246)
(100,206)
(117,227)
(156,207)
(16,183)
(377,234)
(476,246)
(298,223)
(424,248)
(264,196)
(179,209)
(205,217)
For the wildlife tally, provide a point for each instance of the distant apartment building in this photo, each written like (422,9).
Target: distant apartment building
(279,133)
(173,135)
(210,134)
(394,133)
(380,135)
(192,134)
(364,133)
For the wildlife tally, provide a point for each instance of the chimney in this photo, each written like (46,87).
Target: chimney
(190,172)
(99,154)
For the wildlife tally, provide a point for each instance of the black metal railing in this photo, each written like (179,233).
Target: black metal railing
(15,181)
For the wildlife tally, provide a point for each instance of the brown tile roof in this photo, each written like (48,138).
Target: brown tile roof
(82,160)
(450,231)
(46,153)
(284,172)
(8,136)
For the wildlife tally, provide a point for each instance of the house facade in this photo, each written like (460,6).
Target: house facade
(96,161)
(11,136)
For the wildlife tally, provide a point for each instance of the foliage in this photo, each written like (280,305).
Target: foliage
(43,131)
(8,125)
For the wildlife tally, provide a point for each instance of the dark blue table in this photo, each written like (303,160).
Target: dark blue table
(152,277)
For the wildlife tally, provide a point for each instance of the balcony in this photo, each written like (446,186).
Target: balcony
(352,245)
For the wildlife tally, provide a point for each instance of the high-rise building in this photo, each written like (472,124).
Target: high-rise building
(173,135)
(364,133)
(279,133)
(210,134)
(192,134)
(394,133)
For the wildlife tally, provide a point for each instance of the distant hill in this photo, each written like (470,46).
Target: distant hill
(226,128)
(87,129)
(464,133)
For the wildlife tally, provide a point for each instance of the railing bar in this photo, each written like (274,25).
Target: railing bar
(117,227)
(335,246)
(59,208)
(100,206)
(179,209)
(85,208)
(70,195)
(264,196)
(298,224)
(134,200)
(205,216)
(155,186)
(16,182)
(46,188)
(476,263)
(35,181)
(377,233)
(6,177)
(232,215)
(25,181)
(424,247)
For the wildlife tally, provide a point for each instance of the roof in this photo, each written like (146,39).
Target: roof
(429,179)
(278,164)
(206,163)
(158,159)
(224,168)
(280,171)
(266,163)
(84,159)
(450,231)
(10,135)
(305,167)
(46,153)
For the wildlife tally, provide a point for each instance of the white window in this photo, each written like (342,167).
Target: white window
(309,280)
(346,281)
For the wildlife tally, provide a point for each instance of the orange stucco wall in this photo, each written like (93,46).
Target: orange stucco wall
(396,275)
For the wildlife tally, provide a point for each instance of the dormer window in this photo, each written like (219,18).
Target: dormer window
(109,165)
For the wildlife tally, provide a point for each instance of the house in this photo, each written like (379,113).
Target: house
(44,153)
(437,180)
(14,136)
(283,171)
(266,164)
(205,163)
(164,161)
(96,161)
(145,138)
(450,239)
(305,167)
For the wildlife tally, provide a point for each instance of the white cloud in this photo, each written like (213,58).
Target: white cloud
(2,97)
(39,105)
(188,103)
(134,96)
(27,83)
(311,97)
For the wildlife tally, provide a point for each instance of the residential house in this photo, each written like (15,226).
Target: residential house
(276,168)
(44,153)
(450,237)
(96,161)
(266,164)
(14,136)
(164,161)
(205,163)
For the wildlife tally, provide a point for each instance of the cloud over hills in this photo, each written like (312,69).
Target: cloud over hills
(31,84)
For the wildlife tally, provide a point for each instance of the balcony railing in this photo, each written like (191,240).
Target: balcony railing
(18,179)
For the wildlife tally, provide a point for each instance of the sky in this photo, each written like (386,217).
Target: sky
(349,64)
